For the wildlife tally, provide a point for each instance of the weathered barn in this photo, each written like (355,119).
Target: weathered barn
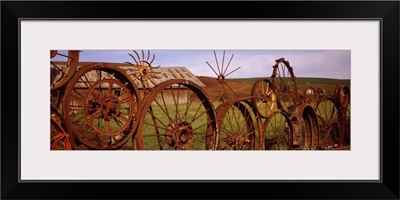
(162,73)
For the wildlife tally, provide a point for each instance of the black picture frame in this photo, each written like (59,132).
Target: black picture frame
(386,11)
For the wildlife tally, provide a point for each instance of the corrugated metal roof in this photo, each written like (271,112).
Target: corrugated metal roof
(163,74)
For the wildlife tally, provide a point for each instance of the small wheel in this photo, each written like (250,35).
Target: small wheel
(305,128)
(61,71)
(328,120)
(59,138)
(236,126)
(177,115)
(101,106)
(342,95)
(278,132)
(285,85)
(264,97)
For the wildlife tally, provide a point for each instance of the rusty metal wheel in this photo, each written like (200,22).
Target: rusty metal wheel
(236,122)
(143,72)
(347,119)
(328,120)
(342,96)
(278,132)
(285,85)
(101,106)
(305,128)
(61,71)
(59,138)
(264,97)
(310,96)
(176,115)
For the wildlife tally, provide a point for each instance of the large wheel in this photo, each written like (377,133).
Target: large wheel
(285,85)
(264,97)
(278,132)
(305,128)
(176,115)
(236,122)
(101,106)
(328,120)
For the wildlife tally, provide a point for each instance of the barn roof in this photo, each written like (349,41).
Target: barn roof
(163,74)
(168,73)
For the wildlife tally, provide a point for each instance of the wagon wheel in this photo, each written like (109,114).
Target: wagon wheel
(62,71)
(347,125)
(264,97)
(101,106)
(285,85)
(236,126)
(310,96)
(328,120)
(59,138)
(342,96)
(176,115)
(305,128)
(278,132)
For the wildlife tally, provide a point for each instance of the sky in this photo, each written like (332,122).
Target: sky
(252,63)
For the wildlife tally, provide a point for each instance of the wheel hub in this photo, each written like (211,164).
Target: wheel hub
(179,135)
(110,108)
(237,141)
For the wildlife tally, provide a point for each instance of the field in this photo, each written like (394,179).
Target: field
(242,86)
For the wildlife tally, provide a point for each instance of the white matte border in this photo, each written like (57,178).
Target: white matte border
(361,37)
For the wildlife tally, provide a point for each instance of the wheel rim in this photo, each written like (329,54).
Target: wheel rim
(177,115)
(305,128)
(285,85)
(101,107)
(342,95)
(236,128)
(264,97)
(328,120)
(278,132)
